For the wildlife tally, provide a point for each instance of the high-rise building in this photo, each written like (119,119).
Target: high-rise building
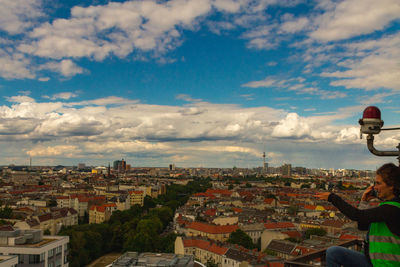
(172,167)
(286,170)
(119,165)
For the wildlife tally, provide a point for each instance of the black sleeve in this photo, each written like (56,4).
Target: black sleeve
(385,213)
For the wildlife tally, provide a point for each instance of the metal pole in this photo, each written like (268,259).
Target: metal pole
(373,150)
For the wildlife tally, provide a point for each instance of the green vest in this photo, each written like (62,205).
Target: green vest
(384,246)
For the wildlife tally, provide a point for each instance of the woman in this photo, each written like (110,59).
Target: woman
(382,245)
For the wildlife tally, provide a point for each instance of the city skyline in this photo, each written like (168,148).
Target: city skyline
(211,83)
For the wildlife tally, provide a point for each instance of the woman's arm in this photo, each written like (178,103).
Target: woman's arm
(384,213)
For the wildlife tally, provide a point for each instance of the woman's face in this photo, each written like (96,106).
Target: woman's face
(385,192)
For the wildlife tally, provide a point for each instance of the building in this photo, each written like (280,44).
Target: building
(8,261)
(51,221)
(32,248)
(214,232)
(286,170)
(129,259)
(99,214)
(137,197)
(119,165)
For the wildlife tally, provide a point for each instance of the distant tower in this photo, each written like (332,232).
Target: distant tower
(264,162)
(30,162)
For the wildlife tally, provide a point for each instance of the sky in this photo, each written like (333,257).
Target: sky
(197,83)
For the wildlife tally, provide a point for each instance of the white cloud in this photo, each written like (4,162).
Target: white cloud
(65,67)
(145,26)
(293,126)
(17,15)
(15,66)
(375,65)
(295,25)
(63,95)
(49,151)
(20,99)
(355,17)
(267,82)
(199,132)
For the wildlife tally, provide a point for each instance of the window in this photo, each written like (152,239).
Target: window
(58,262)
(58,250)
(33,259)
(65,259)
(51,253)
(51,264)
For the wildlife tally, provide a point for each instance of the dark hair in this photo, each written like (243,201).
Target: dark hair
(390,174)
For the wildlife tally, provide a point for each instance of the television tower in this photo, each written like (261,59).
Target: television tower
(264,162)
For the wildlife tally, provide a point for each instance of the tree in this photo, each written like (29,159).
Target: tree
(52,203)
(241,238)
(6,212)
(149,202)
(211,263)
(292,210)
(314,231)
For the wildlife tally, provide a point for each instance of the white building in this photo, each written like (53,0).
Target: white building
(32,248)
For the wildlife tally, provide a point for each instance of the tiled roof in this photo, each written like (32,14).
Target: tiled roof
(212,229)
(45,217)
(278,225)
(310,207)
(6,228)
(347,237)
(237,210)
(32,222)
(279,246)
(222,192)
(268,200)
(294,234)
(98,208)
(200,195)
(210,212)
(332,223)
(205,245)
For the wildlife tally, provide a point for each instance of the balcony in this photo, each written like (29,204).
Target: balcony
(318,258)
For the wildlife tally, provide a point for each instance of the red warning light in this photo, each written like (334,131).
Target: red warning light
(372,112)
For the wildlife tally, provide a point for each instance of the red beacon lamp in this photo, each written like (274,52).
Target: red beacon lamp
(371,124)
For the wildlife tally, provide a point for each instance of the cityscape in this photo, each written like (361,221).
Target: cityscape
(199,133)
(118,214)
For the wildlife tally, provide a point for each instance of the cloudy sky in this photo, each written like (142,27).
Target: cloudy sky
(210,83)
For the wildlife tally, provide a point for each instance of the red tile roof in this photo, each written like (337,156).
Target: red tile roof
(278,225)
(210,212)
(237,210)
(347,237)
(222,192)
(212,229)
(205,245)
(268,200)
(294,234)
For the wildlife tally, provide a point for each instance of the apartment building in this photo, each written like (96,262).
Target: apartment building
(32,248)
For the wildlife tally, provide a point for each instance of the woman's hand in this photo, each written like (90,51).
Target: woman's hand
(368,194)
(323,196)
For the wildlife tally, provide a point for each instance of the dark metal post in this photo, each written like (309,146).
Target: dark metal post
(373,150)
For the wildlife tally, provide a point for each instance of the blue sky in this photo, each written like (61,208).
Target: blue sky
(209,83)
